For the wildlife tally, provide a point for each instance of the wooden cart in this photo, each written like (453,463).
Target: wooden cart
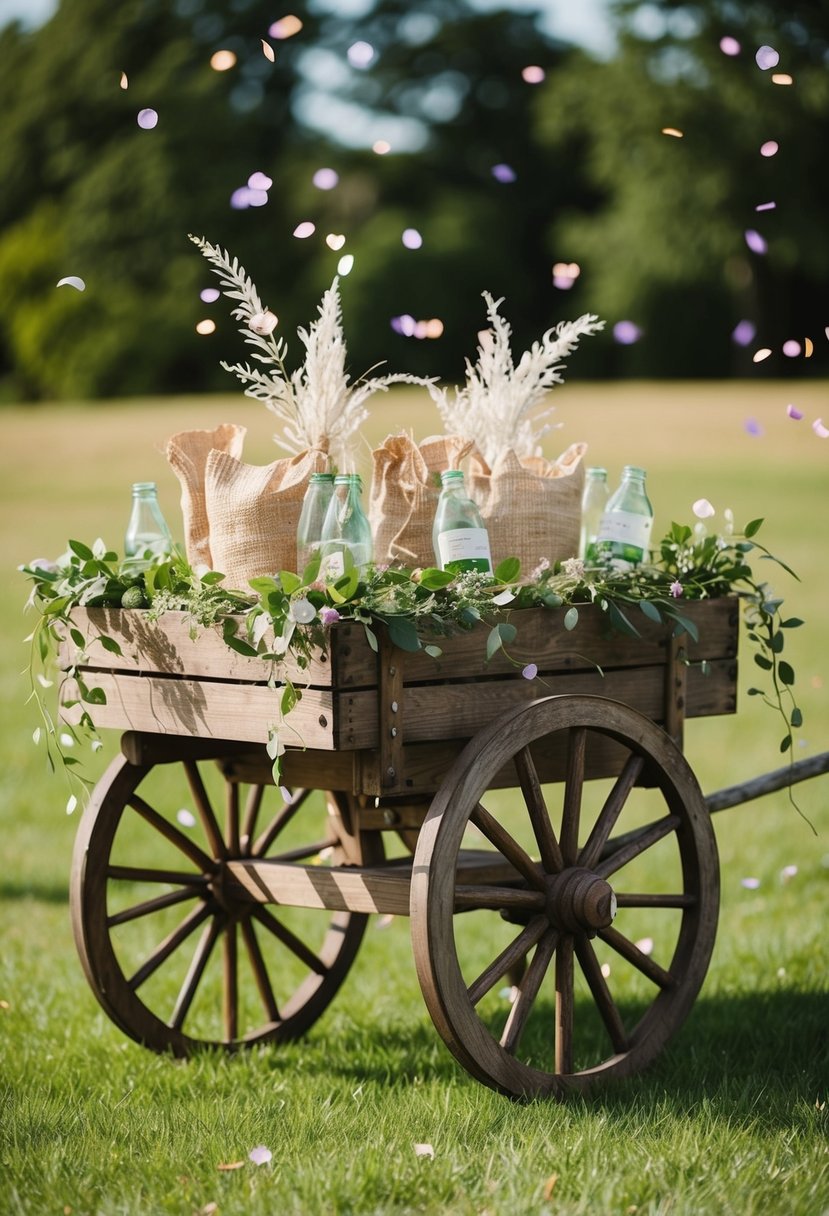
(547,838)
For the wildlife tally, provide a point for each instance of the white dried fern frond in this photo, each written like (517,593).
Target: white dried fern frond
(316,404)
(498,404)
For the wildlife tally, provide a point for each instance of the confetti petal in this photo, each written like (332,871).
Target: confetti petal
(260,181)
(702,509)
(360,54)
(761,354)
(147,119)
(186,818)
(533,74)
(503,173)
(808,348)
(207,326)
(791,348)
(335,240)
(260,1155)
(424,1150)
(770,148)
(645,944)
(767,57)
(752,427)
(674,131)
(230,1165)
(72,280)
(820,430)
(285,27)
(794,413)
(209,295)
(626,332)
(71,804)
(730,46)
(268,51)
(411,238)
(325,179)
(750,884)
(782,78)
(345,264)
(766,207)
(125,84)
(530,671)
(304,230)
(755,242)
(223,61)
(744,333)
(787,873)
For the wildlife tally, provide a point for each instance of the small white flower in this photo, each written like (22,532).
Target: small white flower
(302,611)
(573,567)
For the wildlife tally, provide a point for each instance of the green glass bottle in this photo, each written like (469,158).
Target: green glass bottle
(312,517)
(625,527)
(345,528)
(459,538)
(148,535)
(593,505)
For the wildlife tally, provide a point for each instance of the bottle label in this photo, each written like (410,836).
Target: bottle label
(623,536)
(332,566)
(463,549)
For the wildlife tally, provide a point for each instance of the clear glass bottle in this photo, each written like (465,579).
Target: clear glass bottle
(345,528)
(147,530)
(312,517)
(625,527)
(459,537)
(593,505)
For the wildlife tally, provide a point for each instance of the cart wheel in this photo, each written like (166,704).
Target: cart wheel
(620,877)
(175,960)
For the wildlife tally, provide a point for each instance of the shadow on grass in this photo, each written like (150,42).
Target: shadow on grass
(47,893)
(747,1054)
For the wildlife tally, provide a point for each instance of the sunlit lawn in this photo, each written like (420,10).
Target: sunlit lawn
(732,1118)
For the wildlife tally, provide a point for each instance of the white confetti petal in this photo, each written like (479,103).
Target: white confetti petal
(71,804)
(260,1155)
(424,1150)
(72,280)
(702,509)
(645,944)
(186,818)
(36,733)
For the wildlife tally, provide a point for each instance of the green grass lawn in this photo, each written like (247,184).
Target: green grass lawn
(732,1117)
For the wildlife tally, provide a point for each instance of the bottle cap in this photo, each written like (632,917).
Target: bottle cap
(451,475)
(632,470)
(143,487)
(321,477)
(348,479)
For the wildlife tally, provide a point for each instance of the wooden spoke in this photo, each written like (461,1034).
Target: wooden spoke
(508,958)
(195,972)
(548,846)
(171,833)
(528,991)
(635,899)
(574,781)
(610,812)
(601,994)
(209,822)
(279,821)
(481,895)
(170,943)
(510,848)
(145,874)
(640,843)
(564,1005)
(308,850)
(643,962)
(252,808)
(260,971)
(230,989)
(290,940)
(232,819)
(152,905)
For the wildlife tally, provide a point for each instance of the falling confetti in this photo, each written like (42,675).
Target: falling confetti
(549,1187)
(626,332)
(565,275)
(260,181)
(345,264)
(767,57)
(530,671)
(645,944)
(404,325)
(766,207)
(750,884)
(533,74)
(186,818)
(71,804)
(72,280)
(744,333)
(782,78)
(263,323)
(285,27)
(381,147)
(125,84)
(761,354)
(702,509)
(325,179)
(384,921)
(223,61)
(209,295)
(411,238)
(730,46)
(770,148)
(755,242)
(304,230)
(788,873)
(820,430)
(752,427)
(606,970)
(335,240)
(360,54)
(268,51)
(207,326)
(808,348)
(503,173)
(791,348)
(260,1155)
(147,119)
(674,131)
(794,412)
(424,1150)
(257,198)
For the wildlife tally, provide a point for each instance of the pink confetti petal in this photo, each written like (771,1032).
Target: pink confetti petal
(820,430)
(304,230)
(326,179)
(260,181)
(755,242)
(260,1155)
(209,295)
(794,413)
(626,332)
(750,884)
(411,238)
(791,348)
(503,173)
(72,280)
(729,46)
(770,148)
(268,51)
(147,119)
(766,207)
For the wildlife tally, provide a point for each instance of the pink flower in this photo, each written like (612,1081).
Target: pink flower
(328,616)
(676,589)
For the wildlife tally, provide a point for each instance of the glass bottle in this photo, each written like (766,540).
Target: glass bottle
(345,528)
(147,530)
(593,504)
(312,517)
(625,527)
(459,537)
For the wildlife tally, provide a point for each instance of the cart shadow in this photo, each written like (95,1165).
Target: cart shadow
(47,893)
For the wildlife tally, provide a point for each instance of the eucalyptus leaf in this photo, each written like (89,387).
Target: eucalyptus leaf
(651,611)
(786,672)
(403,633)
(110,644)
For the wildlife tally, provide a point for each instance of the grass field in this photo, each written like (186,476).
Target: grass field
(731,1119)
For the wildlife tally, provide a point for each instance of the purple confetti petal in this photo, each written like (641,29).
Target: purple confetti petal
(743,333)
(752,427)
(750,884)
(503,173)
(240,199)
(767,57)
(530,671)
(260,181)
(791,348)
(147,119)
(770,148)
(755,242)
(257,198)
(794,412)
(325,179)
(626,332)
(260,1155)
(766,207)
(729,45)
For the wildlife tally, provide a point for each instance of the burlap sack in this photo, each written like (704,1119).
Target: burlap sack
(253,512)
(531,506)
(405,486)
(187,453)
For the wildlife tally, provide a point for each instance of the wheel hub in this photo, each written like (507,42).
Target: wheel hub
(579,900)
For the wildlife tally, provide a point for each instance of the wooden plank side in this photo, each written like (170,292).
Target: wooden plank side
(457,711)
(204,708)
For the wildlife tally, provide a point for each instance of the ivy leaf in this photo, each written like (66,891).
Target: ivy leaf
(751,529)
(507,631)
(290,698)
(237,644)
(94,696)
(786,672)
(778,641)
(110,644)
(508,570)
(793,622)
